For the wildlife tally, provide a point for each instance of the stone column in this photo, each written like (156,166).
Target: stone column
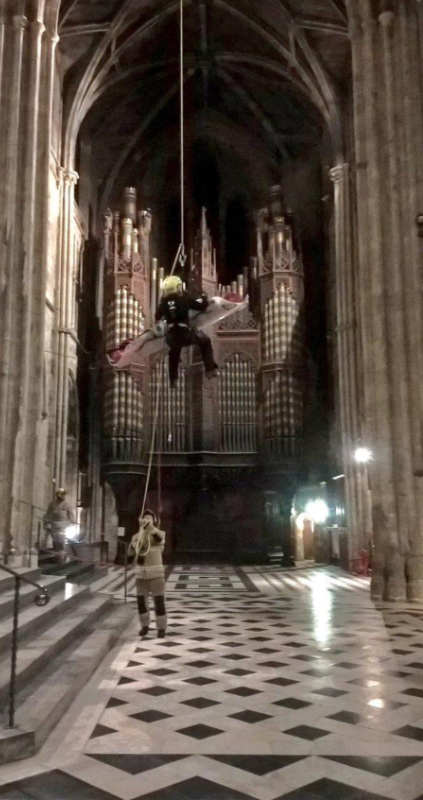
(347,356)
(42,244)
(65,348)
(410,146)
(384,51)
(25,138)
(11,99)
(28,225)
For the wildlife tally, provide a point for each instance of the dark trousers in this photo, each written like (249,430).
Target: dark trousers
(178,337)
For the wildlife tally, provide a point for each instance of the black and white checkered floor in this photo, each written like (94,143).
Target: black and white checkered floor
(296,687)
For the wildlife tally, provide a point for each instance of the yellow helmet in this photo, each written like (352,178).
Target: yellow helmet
(171,285)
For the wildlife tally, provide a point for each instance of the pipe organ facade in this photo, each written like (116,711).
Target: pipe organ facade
(279,295)
(248,422)
(126,297)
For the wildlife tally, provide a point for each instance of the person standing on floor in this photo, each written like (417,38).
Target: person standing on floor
(147,545)
(57,518)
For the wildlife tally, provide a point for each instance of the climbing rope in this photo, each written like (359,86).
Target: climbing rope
(182,256)
(179,258)
(153,437)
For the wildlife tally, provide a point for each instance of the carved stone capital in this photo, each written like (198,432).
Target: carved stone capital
(37,27)
(386,18)
(338,173)
(69,176)
(19,22)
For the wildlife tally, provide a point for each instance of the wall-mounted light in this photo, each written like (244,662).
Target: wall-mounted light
(317,510)
(362,455)
(72,532)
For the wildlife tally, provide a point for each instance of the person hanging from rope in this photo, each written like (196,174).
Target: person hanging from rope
(147,545)
(174,307)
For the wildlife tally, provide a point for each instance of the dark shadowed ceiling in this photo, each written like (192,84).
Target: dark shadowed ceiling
(262,80)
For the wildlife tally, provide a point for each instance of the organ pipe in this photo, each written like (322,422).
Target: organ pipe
(127,238)
(237,408)
(124,320)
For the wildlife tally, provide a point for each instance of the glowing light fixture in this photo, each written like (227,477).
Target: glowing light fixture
(318,510)
(363,455)
(72,532)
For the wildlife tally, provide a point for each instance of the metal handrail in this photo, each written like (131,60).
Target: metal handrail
(23,578)
(41,599)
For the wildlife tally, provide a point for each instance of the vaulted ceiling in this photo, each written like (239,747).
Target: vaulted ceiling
(263,79)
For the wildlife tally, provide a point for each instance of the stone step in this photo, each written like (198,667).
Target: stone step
(91,577)
(41,705)
(112,580)
(28,593)
(35,619)
(34,654)
(72,570)
(16,794)
(8,582)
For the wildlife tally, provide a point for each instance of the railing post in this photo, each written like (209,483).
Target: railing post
(12,686)
(125,581)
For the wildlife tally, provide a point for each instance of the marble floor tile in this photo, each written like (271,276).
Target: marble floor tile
(268,685)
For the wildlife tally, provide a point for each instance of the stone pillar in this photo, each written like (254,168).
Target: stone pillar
(28,227)
(26,73)
(11,98)
(388,134)
(346,337)
(65,345)
(42,249)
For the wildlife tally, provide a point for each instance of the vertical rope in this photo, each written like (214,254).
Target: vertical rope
(181,121)
(159,486)
(153,438)
(180,253)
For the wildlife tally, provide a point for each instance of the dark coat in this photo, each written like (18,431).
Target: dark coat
(174,308)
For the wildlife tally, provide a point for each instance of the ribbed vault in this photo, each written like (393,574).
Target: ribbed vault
(274,69)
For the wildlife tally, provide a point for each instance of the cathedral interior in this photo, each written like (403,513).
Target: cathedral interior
(268,156)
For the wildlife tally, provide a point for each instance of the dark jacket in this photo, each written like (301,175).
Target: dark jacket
(175,307)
